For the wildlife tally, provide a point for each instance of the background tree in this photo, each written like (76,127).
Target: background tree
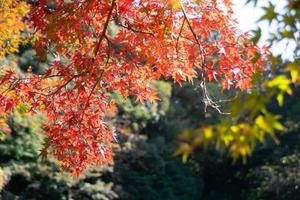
(11,13)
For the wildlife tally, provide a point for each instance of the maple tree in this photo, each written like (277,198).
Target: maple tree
(172,39)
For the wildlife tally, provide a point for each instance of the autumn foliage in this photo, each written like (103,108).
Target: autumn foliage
(170,39)
(11,25)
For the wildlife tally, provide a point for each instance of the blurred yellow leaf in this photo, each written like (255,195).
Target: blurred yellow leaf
(280,98)
(185,157)
(261,123)
(281,83)
(294,69)
(175,4)
(208,133)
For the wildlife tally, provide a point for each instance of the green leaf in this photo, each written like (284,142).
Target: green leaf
(270,13)
(22,108)
(257,35)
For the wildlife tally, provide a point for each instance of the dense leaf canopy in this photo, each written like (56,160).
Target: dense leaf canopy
(119,46)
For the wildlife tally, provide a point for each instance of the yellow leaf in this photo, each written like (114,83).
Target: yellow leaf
(234,129)
(281,83)
(278,81)
(175,4)
(294,75)
(278,126)
(261,123)
(280,98)
(227,138)
(208,133)
(294,69)
(244,150)
(185,157)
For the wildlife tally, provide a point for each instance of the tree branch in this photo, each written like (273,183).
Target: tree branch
(194,35)
(113,3)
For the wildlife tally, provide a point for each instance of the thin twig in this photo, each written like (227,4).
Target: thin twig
(194,35)
(208,102)
(180,31)
(113,3)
